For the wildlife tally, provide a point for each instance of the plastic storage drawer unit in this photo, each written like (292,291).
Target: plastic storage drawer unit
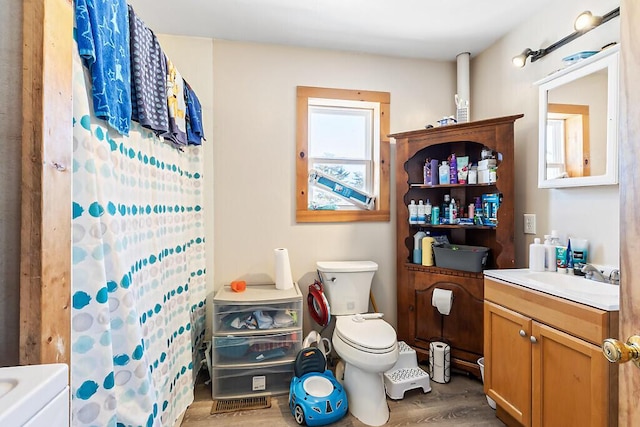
(247,349)
(256,337)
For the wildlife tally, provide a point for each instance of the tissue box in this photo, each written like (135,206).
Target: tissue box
(461,257)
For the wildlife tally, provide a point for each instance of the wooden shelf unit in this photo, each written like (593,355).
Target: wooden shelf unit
(419,322)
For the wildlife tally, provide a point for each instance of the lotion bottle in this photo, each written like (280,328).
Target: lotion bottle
(421,213)
(413,212)
(536,255)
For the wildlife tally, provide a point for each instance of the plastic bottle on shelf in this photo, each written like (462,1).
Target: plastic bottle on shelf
(422,218)
(453,169)
(443,173)
(427,212)
(536,255)
(413,212)
(444,210)
(453,212)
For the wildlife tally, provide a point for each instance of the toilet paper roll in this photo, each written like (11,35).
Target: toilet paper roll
(442,299)
(283,269)
(440,362)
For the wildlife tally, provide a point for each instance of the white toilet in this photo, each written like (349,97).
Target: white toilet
(366,344)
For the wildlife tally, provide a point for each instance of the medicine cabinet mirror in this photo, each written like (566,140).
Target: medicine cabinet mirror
(578,129)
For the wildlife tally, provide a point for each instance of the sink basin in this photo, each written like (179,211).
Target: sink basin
(36,395)
(573,283)
(6,385)
(574,288)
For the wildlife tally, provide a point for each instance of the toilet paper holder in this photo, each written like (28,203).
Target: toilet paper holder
(442,300)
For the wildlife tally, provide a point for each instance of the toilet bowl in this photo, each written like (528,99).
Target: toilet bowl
(366,344)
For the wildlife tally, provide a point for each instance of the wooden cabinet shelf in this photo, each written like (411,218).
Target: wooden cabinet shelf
(420,323)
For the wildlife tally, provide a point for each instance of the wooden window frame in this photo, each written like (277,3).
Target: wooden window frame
(382,208)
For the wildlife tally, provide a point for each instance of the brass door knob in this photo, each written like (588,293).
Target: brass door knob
(618,352)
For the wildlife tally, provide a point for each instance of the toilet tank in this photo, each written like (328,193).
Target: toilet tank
(347,285)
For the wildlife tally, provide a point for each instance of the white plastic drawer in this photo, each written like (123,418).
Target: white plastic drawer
(230,318)
(244,382)
(250,349)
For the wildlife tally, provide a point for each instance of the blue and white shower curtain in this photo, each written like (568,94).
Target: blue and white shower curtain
(138,281)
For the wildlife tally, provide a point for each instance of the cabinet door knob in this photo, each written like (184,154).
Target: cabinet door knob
(618,352)
(533,339)
(522,333)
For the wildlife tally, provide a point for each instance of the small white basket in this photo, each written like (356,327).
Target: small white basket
(462,115)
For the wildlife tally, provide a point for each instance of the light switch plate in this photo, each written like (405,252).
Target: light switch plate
(529,223)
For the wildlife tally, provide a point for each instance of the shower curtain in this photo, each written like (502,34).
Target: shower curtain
(138,280)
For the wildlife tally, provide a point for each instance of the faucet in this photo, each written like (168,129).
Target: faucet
(593,273)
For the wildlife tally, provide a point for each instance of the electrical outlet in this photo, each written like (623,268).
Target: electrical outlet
(529,223)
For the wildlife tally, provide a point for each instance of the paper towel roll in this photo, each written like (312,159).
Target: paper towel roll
(440,362)
(442,299)
(283,269)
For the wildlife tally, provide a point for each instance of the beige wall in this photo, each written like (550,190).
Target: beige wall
(254,157)
(10,129)
(497,88)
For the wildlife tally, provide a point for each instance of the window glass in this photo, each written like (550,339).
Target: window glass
(342,160)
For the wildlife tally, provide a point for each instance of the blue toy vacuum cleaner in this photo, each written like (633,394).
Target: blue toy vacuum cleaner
(316,398)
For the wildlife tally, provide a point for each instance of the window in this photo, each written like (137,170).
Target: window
(342,166)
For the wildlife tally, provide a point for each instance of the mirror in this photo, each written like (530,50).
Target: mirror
(579,123)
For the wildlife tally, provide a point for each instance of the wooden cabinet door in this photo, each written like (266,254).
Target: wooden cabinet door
(570,380)
(507,358)
(461,328)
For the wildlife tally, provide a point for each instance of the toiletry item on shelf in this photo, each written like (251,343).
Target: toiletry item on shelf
(550,253)
(472,177)
(536,255)
(427,212)
(434,172)
(413,212)
(471,211)
(435,215)
(486,153)
(443,173)
(417,247)
(463,169)
(427,250)
(422,216)
(453,169)
(444,211)
(453,212)
(426,172)
(493,175)
(561,259)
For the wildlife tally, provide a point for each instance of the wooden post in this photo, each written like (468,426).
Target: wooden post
(47,141)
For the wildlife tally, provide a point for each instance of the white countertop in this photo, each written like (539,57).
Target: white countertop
(574,288)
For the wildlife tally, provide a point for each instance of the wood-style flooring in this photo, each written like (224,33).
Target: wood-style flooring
(461,402)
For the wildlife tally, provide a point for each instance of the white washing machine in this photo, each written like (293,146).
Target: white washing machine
(34,396)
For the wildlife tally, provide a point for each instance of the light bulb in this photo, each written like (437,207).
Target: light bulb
(586,21)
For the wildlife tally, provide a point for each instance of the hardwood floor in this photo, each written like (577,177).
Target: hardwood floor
(459,403)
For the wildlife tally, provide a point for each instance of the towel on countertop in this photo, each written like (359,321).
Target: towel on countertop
(102,34)
(176,105)
(195,131)
(148,77)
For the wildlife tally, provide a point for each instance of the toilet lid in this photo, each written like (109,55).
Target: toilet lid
(371,335)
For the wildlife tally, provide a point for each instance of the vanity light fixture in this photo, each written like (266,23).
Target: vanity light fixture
(584,22)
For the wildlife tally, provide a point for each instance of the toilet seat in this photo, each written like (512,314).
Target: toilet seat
(371,336)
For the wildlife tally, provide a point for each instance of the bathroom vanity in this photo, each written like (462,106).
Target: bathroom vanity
(543,361)
(419,323)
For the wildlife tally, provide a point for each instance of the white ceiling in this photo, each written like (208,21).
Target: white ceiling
(435,29)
